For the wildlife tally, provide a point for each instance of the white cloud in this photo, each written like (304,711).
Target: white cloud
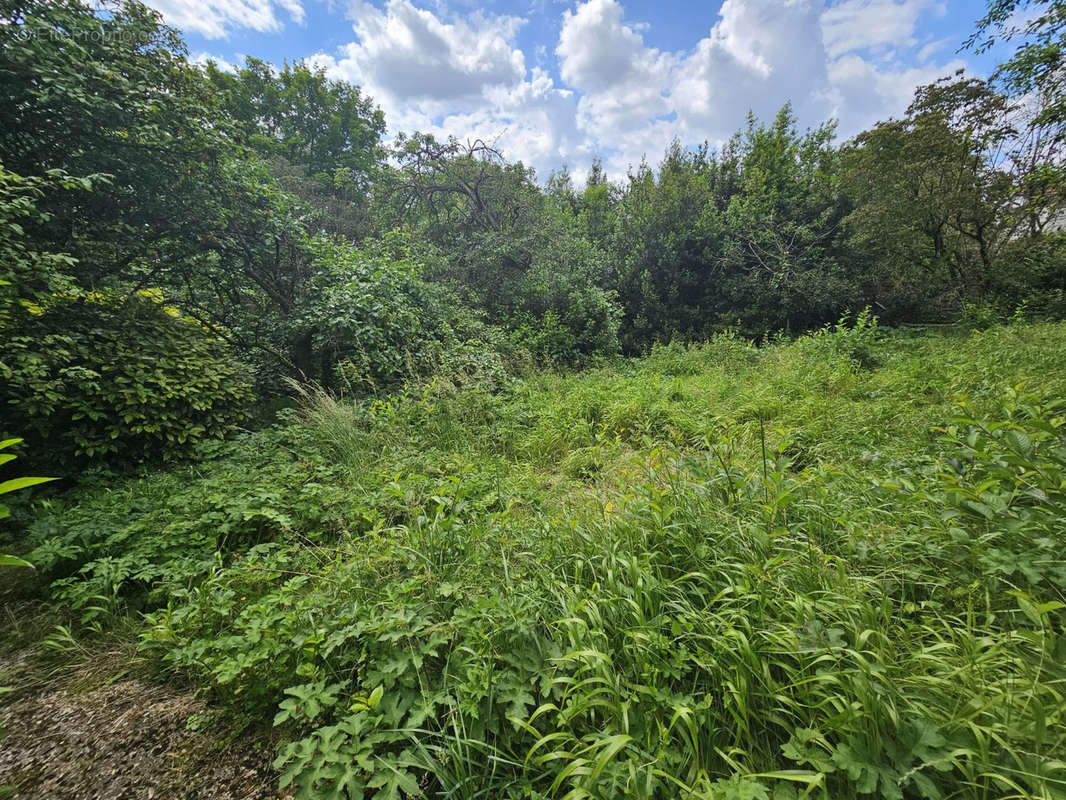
(622,81)
(862,95)
(759,55)
(858,24)
(461,75)
(446,72)
(201,59)
(216,18)
(597,51)
(411,53)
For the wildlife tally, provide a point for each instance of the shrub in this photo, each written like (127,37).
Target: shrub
(375,322)
(127,378)
(856,343)
(564,316)
(979,316)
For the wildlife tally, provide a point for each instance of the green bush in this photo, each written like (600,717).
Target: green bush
(374,322)
(979,316)
(854,342)
(123,378)
(564,316)
(1033,273)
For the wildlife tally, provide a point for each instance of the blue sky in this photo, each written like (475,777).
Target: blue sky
(557,83)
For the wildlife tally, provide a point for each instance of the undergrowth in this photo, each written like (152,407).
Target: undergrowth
(829,568)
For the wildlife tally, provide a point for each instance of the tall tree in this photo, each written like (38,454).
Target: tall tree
(320,136)
(943,194)
(108,92)
(783,264)
(665,232)
(509,248)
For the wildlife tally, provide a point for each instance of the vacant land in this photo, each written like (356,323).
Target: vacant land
(831,567)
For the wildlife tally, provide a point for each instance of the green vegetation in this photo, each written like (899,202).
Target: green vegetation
(479,485)
(13,485)
(717,572)
(264,204)
(97,374)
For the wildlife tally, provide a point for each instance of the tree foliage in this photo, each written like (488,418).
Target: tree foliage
(943,196)
(110,94)
(1038,66)
(750,236)
(506,247)
(320,136)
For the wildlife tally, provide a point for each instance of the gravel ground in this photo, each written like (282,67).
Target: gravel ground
(125,740)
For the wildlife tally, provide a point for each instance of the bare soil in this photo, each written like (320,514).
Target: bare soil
(80,737)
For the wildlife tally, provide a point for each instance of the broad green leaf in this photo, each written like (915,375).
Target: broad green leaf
(21,483)
(11,561)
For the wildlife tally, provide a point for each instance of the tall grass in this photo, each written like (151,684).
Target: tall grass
(830,568)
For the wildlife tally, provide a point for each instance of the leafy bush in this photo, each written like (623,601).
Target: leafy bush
(375,322)
(25,271)
(979,316)
(852,340)
(1006,487)
(1034,274)
(564,315)
(127,378)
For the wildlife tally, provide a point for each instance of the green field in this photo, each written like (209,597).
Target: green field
(831,567)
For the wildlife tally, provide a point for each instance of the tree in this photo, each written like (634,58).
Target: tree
(1038,66)
(784,261)
(942,194)
(186,168)
(596,206)
(507,247)
(320,137)
(108,93)
(298,113)
(748,237)
(28,273)
(661,248)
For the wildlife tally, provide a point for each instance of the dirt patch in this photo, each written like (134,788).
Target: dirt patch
(129,739)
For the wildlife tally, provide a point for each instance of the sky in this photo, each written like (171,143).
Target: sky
(555,83)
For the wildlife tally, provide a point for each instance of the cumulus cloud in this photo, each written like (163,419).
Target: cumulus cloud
(462,75)
(622,81)
(759,55)
(853,60)
(412,54)
(215,19)
(862,95)
(597,51)
(201,59)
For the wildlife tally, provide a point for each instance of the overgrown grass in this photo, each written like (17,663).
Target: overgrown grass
(829,568)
